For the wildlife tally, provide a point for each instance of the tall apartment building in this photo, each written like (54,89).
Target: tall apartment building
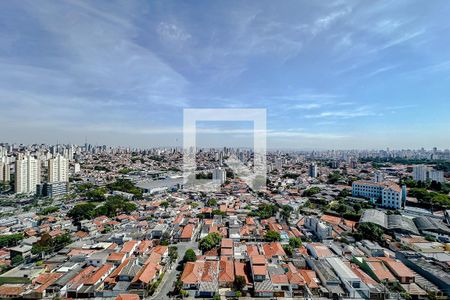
(425,173)
(5,174)
(313,170)
(420,173)
(391,195)
(219,175)
(58,169)
(28,174)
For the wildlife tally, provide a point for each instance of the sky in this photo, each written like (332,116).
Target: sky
(330,74)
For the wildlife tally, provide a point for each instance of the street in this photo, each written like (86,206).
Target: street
(166,286)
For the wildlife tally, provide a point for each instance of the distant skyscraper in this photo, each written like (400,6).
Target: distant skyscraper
(58,169)
(28,174)
(313,170)
(278,164)
(219,175)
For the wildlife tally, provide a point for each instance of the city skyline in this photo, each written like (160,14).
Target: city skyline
(337,75)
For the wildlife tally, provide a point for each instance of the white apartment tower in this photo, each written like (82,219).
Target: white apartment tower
(28,174)
(420,173)
(424,173)
(219,175)
(58,169)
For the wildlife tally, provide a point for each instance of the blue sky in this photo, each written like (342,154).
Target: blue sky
(331,74)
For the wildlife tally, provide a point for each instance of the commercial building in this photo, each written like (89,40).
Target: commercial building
(53,189)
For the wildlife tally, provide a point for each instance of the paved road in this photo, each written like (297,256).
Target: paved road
(166,285)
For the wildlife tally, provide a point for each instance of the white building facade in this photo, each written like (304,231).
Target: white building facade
(28,174)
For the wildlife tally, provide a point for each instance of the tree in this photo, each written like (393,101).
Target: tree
(17,260)
(334,177)
(311,192)
(194,204)
(211,202)
(286,212)
(272,236)
(173,253)
(288,249)
(189,255)
(10,240)
(164,205)
(82,211)
(125,185)
(210,241)
(295,242)
(239,282)
(371,231)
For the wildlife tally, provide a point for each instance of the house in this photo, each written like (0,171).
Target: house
(116,258)
(226,247)
(400,271)
(226,272)
(273,251)
(98,258)
(187,233)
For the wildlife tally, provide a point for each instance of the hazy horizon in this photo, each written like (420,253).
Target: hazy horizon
(332,75)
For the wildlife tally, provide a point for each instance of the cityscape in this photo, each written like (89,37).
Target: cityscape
(224,150)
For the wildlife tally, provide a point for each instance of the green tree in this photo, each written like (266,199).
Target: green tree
(189,255)
(311,192)
(10,240)
(295,242)
(334,177)
(164,205)
(272,236)
(173,253)
(82,211)
(17,260)
(239,282)
(210,241)
(371,231)
(211,202)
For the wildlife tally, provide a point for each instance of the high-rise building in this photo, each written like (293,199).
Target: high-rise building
(28,174)
(420,173)
(424,173)
(278,164)
(5,174)
(437,176)
(313,170)
(219,175)
(58,169)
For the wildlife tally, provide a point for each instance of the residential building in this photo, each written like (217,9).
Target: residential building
(313,170)
(319,228)
(425,173)
(58,169)
(28,174)
(219,175)
(390,194)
